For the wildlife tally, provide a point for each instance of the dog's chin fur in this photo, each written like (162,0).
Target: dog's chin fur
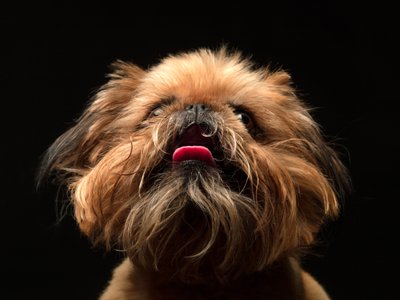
(275,180)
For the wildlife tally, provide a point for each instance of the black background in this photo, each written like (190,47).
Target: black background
(341,57)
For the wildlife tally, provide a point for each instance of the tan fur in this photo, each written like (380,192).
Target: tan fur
(313,290)
(126,284)
(201,228)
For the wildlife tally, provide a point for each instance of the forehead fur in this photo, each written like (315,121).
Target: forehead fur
(203,74)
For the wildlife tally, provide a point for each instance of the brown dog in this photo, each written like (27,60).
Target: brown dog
(208,173)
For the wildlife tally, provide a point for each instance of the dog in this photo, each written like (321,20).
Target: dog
(207,172)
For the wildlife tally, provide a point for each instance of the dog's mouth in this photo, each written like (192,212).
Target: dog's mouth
(194,146)
(196,149)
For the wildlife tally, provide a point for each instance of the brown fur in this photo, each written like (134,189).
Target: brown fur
(195,231)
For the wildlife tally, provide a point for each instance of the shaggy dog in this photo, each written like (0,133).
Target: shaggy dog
(208,173)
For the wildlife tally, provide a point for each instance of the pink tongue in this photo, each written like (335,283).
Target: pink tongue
(193,153)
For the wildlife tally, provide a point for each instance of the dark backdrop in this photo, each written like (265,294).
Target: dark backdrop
(341,58)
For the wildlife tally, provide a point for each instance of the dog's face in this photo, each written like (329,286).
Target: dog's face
(201,166)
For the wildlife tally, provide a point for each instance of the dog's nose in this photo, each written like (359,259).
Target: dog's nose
(197,109)
(197,114)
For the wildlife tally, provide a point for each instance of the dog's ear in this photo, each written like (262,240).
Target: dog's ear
(82,145)
(279,85)
(309,139)
(78,150)
(278,78)
(329,161)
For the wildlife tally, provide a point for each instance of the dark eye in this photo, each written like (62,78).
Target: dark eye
(245,118)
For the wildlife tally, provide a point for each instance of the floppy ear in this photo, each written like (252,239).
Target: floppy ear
(309,140)
(74,154)
(82,146)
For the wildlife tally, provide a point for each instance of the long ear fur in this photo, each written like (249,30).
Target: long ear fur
(319,151)
(82,145)
(78,150)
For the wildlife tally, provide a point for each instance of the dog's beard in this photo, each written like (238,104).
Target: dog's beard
(190,220)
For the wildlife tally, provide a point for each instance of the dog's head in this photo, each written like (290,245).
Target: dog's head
(200,166)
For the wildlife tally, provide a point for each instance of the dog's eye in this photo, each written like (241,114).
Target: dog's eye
(157,111)
(244,118)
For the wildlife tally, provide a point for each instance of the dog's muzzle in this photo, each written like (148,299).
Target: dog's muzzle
(195,143)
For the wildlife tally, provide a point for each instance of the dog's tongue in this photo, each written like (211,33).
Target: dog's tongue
(200,153)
